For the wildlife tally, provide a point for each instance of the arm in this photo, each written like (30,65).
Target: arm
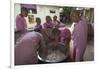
(42,45)
(68,37)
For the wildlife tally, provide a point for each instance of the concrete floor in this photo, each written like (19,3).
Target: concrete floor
(89,53)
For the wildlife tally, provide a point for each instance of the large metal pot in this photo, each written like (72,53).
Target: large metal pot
(55,53)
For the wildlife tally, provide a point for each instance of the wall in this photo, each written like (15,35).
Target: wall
(42,12)
(45,10)
(16,11)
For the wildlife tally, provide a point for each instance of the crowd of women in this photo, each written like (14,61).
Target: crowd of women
(52,31)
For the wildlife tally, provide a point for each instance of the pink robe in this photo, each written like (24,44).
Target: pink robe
(26,48)
(48,25)
(79,37)
(65,36)
(21,25)
(58,24)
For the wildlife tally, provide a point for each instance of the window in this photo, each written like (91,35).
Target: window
(31,8)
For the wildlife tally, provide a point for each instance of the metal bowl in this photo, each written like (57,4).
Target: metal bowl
(55,53)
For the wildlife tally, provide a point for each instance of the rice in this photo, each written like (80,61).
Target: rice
(55,56)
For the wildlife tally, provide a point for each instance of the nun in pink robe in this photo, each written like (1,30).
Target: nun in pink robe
(79,38)
(26,48)
(21,25)
(47,27)
(65,35)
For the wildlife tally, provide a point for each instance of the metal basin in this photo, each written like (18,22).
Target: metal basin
(54,53)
